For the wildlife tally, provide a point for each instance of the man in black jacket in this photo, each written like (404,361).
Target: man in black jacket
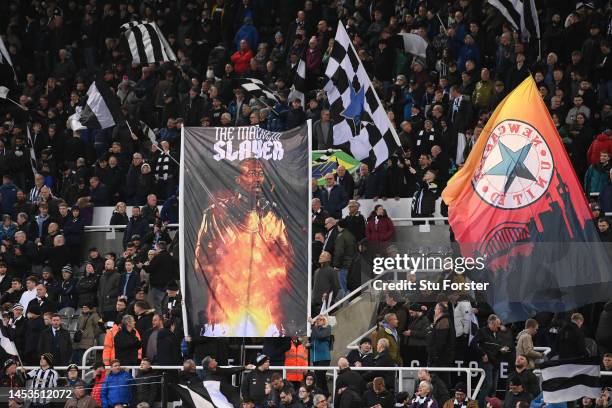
(326,283)
(319,215)
(382,359)
(144,383)
(333,197)
(348,378)
(162,270)
(363,356)
(441,341)
(528,379)
(137,225)
(460,117)
(355,222)
(491,350)
(379,395)
(571,343)
(56,340)
(254,383)
(127,343)
(346,181)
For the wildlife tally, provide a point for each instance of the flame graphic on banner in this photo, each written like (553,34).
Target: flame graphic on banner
(246,264)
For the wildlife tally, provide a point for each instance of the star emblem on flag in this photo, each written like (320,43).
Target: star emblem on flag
(353,111)
(512,165)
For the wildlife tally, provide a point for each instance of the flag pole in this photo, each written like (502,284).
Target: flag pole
(154,144)
(16,103)
(309,266)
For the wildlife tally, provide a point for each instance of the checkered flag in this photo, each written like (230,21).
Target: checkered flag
(358,115)
(298,89)
(258,90)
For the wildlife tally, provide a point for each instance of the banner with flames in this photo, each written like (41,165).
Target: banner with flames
(245,215)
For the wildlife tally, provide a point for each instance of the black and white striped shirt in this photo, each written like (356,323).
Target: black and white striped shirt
(41,380)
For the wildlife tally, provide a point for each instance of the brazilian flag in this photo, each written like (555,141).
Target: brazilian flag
(327,161)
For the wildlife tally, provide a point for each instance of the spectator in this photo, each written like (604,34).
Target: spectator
(242,57)
(333,197)
(145,387)
(344,252)
(127,342)
(162,270)
(346,181)
(43,378)
(571,339)
(378,395)
(119,216)
(116,388)
(67,296)
(382,359)
(369,184)
(526,376)
(441,340)
(87,326)
(355,222)
(254,384)
(108,290)
(379,229)
(517,393)
(524,345)
(137,225)
(320,348)
(319,216)
(388,329)
(326,283)
(598,174)
(416,333)
(424,199)
(150,212)
(491,349)
(323,132)
(80,399)
(55,341)
(362,356)
(349,378)
(461,398)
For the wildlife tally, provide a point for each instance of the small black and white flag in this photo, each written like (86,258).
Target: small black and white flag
(102,107)
(414,44)
(258,90)
(147,43)
(358,115)
(298,89)
(522,14)
(206,394)
(569,380)
(5,59)
(148,132)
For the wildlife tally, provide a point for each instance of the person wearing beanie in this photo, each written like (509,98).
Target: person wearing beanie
(80,397)
(254,383)
(344,252)
(416,334)
(363,356)
(43,378)
(171,305)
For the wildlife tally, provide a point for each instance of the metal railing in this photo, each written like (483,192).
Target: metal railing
(334,369)
(368,283)
(120,227)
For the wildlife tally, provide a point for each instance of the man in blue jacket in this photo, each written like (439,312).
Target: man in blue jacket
(333,197)
(8,193)
(116,388)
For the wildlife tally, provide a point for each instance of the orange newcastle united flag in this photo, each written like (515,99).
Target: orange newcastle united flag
(518,204)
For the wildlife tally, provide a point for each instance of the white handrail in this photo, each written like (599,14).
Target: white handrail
(377,277)
(89,228)
(468,371)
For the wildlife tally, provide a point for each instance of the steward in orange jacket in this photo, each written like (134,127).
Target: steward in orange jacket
(108,353)
(297,355)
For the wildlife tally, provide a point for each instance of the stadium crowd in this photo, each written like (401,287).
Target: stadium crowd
(56,303)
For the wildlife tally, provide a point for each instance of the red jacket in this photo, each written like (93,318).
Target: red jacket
(381,232)
(96,389)
(241,61)
(601,143)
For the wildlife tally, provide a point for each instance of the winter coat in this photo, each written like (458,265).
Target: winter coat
(170,343)
(351,379)
(320,344)
(45,345)
(602,143)
(524,346)
(344,249)
(333,201)
(74,230)
(571,342)
(384,332)
(136,226)
(127,347)
(379,232)
(357,225)
(424,200)
(146,392)
(108,290)
(418,331)
(241,60)
(596,177)
(161,269)
(441,342)
(254,385)
(67,296)
(114,390)
(88,324)
(385,399)
(87,290)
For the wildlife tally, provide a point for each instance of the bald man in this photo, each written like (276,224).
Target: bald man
(326,283)
(349,378)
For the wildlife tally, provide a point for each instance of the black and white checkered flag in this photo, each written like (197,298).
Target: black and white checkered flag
(146,42)
(298,89)
(258,90)
(5,59)
(358,115)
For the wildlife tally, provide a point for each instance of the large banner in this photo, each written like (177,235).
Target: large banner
(245,218)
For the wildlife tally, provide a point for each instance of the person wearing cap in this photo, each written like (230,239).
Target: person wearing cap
(171,303)
(416,335)
(17,327)
(516,393)
(362,356)
(67,293)
(80,397)
(254,383)
(461,399)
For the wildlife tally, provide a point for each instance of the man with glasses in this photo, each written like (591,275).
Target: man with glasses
(333,197)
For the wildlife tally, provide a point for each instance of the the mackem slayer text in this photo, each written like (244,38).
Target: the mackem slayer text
(251,142)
